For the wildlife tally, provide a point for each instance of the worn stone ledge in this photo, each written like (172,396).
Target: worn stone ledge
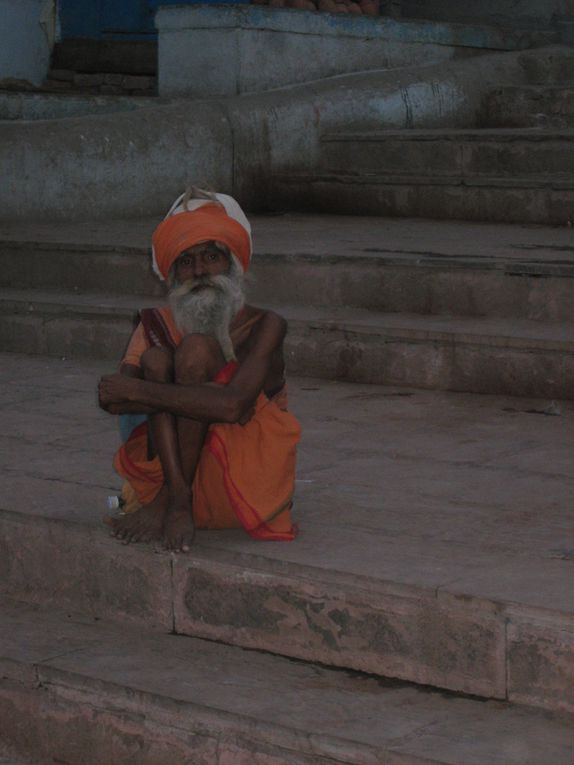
(329,44)
(71,565)
(90,693)
(478,646)
(286,20)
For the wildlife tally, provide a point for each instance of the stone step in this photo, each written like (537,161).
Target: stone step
(412,266)
(545,199)
(103,83)
(434,544)
(49,106)
(514,357)
(550,69)
(465,156)
(524,107)
(84,693)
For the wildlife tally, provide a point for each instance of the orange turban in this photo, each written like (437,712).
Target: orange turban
(183,230)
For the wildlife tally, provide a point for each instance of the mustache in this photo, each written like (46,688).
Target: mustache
(189,285)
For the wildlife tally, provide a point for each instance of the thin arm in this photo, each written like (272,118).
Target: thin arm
(209,402)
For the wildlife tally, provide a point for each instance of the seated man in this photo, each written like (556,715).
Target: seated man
(217,449)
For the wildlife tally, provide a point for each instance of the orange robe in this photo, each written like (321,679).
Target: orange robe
(246,473)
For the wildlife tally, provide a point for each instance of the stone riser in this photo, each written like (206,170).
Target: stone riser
(459,285)
(446,199)
(124,271)
(455,157)
(456,363)
(528,107)
(338,351)
(88,694)
(420,635)
(542,292)
(63,723)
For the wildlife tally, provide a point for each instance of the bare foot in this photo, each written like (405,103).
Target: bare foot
(178,529)
(145,525)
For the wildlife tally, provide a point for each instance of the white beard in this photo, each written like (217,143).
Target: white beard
(210,310)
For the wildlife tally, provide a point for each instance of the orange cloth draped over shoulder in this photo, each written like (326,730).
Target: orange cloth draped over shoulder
(246,473)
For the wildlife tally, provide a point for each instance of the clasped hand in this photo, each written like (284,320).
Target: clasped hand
(115,389)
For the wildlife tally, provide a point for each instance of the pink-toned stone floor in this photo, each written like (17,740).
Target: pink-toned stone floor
(467,494)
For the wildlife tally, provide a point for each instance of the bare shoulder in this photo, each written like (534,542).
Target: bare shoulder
(268,323)
(260,330)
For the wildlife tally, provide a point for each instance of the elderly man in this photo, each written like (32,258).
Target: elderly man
(217,448)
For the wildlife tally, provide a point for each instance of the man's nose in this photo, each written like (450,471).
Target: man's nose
(198,267)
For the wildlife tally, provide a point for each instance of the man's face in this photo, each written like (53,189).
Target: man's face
(201,261)
(206,292)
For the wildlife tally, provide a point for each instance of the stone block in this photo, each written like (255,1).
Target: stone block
(94,574)
(88,80)
(506,200)
(226,45)
(113,79)
(411,638)
(541,662)
(111,90)
(58,85)
(107,694)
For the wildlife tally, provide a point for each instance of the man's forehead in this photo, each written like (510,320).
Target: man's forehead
(199,249)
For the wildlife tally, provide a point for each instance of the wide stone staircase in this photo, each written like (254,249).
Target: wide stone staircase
(516,164)
(448,306)
(425,613)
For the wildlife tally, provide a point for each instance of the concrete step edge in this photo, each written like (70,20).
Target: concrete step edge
(450,134)
(378,257)
(278,709)
(553,182)
(163,593)
(506,333)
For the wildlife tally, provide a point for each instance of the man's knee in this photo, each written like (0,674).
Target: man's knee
(157,364)
(198,358)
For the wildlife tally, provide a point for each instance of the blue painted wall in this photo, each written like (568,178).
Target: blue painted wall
(116,19)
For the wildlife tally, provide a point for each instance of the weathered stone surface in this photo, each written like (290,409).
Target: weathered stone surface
(541,663)
(440,153)
(93,575)
(113,79)
(428,522)
(529,106)
(228,145)
(191,38)
(417,266)
(478,355)
(88,80)
(409,637)
(543,200)
(109,695)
